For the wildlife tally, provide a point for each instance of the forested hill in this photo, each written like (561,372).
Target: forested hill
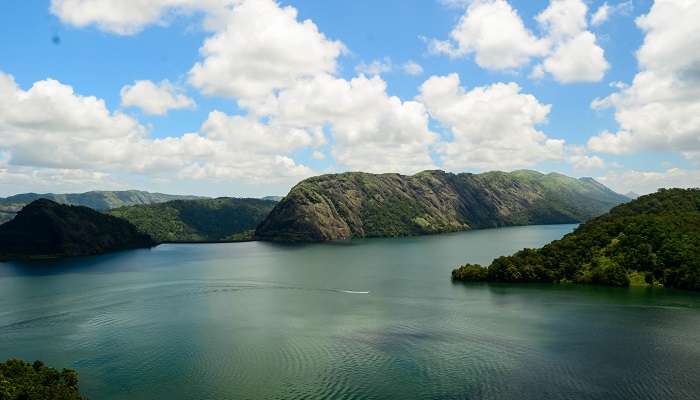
(97,200)
(203,220)
(348,205)
(653,240)
(45,229)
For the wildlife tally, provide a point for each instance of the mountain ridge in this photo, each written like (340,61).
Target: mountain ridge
(358,204)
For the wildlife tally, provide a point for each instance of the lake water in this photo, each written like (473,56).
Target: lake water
(369,319)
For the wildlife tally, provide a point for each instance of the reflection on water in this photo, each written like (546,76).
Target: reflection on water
(363,319)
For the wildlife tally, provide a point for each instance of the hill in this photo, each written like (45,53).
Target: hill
(97,200)
(653,240)
(204,220)
(45,229)
(355,205)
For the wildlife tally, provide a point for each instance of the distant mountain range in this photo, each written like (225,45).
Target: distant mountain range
(356,205)
(97,200)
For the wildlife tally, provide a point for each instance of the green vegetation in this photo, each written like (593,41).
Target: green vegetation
(203,220)
(355,205)
(97,200)
(21,380)
(45,229)
(654,240)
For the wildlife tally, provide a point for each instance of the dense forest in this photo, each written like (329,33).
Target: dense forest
(204,220)
(20,380)
(654,240)
(45,229)
(356,204)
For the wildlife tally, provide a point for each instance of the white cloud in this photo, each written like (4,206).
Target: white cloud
(52,129)
(492,126)
(578,59)
(155,99)
(605,12)
(412,68)
(494,31)
(376,67)
(317,155)
(660,110)
(585,163)
(372,131)
(643,182)
(128,17)
(575,56)
(262,48)
(563,19)
(601,15)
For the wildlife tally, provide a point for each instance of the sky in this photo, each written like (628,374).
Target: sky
(248,97)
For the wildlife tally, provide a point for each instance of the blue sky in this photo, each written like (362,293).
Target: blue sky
(100,48)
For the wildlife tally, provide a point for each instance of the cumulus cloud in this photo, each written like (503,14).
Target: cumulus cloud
(496,34)
(584,162)
(130,17)
(643,182)
(155,99)
(282,70)
(492,126)
(262,48)
(376,67)
(372,131)
(575,55)
(412,68)
(578,59)
(660,109)
(51,128)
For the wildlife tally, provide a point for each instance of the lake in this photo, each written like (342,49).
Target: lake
(366,319)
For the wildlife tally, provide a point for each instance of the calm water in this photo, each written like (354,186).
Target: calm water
(372,319)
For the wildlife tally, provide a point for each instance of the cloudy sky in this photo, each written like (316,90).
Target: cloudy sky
(247,97)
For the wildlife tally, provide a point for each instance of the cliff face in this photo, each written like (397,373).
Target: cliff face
(48,229)
(355,205)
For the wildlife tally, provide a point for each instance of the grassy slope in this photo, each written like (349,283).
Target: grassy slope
(656,237)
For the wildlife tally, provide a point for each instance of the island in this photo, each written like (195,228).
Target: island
(653,240)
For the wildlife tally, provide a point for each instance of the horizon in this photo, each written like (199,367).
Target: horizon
(180,97)
(284,194)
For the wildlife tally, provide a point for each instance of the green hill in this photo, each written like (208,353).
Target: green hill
(45,229)
(97,200)
(653,240)
(204,220)
(354,205)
